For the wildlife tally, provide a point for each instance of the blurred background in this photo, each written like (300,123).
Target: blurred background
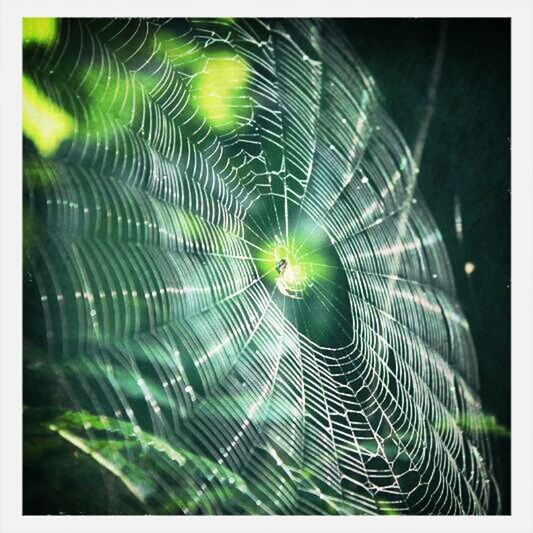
(464,173)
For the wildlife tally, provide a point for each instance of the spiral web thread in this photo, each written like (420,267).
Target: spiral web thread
(182,375)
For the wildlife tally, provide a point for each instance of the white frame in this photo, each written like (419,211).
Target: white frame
(521,14)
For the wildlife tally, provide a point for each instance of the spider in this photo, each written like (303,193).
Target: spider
(281,265)
(287,278)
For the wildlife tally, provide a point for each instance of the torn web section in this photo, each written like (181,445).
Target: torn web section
(257,147)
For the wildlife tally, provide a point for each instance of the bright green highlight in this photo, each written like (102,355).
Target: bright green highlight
(306,263)
(385,508)
(313,288)
(219,90)
(482,423)
(44,122)
(39,30)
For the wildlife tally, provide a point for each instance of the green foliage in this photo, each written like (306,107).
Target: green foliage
(44,122)
(41,31)
(219,90)
(134,456)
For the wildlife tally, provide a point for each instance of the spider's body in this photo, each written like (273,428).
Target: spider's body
(287,282)
(281,266)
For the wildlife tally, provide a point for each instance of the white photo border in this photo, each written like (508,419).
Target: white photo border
(521,14)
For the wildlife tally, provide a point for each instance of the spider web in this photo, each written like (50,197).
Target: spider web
(181,368)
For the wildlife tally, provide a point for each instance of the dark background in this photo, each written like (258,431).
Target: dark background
(467,155)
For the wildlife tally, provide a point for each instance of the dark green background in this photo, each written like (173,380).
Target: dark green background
(467,155)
